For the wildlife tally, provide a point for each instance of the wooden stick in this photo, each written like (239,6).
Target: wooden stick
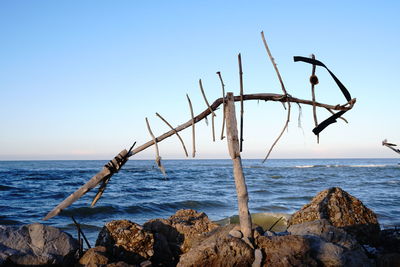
(177,134)
(208,105)
(240,182)
(279,136)
(101,191)
(273,63)
(339,117)
(92,183)
(314,81)
(158,158)
(223,103)
(241,101)
(192,122)
(284,91)
(81,232)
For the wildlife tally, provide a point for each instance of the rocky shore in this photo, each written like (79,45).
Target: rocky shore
(334,229)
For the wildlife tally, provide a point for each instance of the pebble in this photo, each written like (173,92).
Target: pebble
(236,233)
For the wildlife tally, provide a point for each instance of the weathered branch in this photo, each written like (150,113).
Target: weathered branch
(314,81)
(284,91)
(273,63)
(158,158)
(177,134)
(208,105)
(108,170)
(240,183)
(241,101)
(192,122)
(223,103)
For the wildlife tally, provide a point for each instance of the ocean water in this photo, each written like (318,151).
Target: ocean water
(139,192)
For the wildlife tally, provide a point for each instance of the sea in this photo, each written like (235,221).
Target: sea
(140,192)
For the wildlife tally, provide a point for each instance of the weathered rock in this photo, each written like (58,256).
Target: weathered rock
(119,264)
(331,246)
(126,241)
(343,211)
(36,244)
(218,249)
(176,234)
(236,233)
(94,257)
(289,250)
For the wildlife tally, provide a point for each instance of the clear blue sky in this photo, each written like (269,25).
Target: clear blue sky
(77,78)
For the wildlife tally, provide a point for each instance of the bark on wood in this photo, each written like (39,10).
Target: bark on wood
(158,158)
(234,152)
(177,134)
(108,170)
(208,105)
(223,103)
(192,123)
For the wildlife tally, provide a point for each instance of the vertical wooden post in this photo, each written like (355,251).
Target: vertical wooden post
(234,152)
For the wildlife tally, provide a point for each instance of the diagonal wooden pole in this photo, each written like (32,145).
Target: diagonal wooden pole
(240,182)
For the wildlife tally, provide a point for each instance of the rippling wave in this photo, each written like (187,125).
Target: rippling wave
(139,192)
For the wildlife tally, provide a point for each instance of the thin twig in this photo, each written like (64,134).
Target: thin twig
(193,127)
(279,136)
(241,101)
(208,105)
(339,117)
(273,63)
(284,91)
(80,231)
(223,103)
(272,226)
(177,134)
(100,191)
(314,81)
(158,158)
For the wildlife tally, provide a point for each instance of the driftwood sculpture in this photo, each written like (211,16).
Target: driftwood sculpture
(234,140)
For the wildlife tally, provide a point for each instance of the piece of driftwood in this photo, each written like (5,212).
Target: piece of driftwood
(314,82)
(177,134)
(80,232)
(240,183)
(284,91)
(208,105)
(192,123)
(241,100)
(223,104)
(158,158)
(108,170)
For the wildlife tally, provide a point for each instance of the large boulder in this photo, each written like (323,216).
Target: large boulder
(329,245)
(36,244)
(218,248)
(176,235)
(343,211)
(288,250)
(126,241)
